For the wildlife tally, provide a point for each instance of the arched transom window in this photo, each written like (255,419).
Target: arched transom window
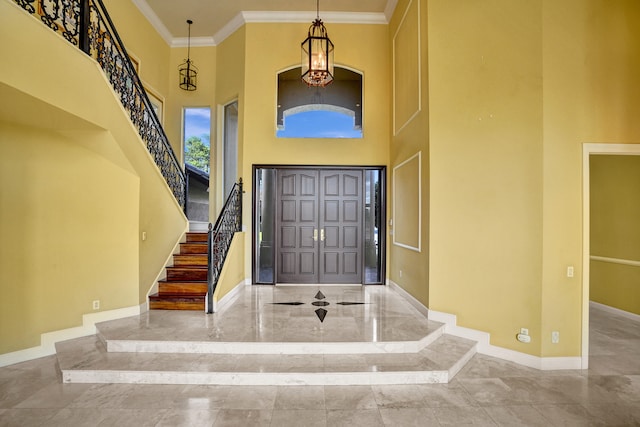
(333,111)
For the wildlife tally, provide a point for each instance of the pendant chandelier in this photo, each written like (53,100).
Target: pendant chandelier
(188,72)
(317,54)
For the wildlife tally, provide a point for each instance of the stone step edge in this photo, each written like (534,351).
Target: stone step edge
(400,377)
(254,378)
(208,347)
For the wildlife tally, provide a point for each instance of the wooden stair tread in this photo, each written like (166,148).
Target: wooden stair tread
(177,296)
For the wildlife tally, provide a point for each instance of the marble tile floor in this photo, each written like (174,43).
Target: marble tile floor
(487,391)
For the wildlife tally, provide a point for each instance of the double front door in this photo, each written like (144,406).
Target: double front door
(319,224)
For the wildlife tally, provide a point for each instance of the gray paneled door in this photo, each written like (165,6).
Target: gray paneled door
(319,225)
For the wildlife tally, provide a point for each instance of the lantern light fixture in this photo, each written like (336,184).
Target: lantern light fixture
(317,54)
(188,72)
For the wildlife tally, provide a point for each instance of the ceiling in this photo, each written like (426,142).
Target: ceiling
(214,20)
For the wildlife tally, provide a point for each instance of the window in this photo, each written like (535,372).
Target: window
(334,111)
(197,141)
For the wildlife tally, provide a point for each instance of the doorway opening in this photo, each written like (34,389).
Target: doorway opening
(589,151)
(319,225)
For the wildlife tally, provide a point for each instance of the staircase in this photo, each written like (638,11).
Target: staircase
(185,286)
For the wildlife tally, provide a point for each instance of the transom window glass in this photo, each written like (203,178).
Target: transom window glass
(333,111)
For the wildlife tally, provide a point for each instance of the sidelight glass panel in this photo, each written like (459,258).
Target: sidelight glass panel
(372,228)
(265,224)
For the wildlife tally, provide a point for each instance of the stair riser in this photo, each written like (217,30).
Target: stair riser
(196,237)
(181,288)
(176,305)
(187,275)
(189,260)
(193,248)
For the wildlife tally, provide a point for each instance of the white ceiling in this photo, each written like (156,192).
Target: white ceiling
(214,20)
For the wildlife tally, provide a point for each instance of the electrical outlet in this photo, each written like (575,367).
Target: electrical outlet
(144,235)
(523,338)
(555,337)
(96,304)
(524,331)
(570,271)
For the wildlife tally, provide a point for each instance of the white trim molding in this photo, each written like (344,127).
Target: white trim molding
(589,149)
(410,298)
(615,260)
(226,300)
(48,340)
(396,168)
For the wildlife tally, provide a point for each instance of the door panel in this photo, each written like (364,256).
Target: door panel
(297,222)
(341,221)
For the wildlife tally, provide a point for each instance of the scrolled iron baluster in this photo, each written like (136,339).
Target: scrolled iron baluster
(50,17)
(27,5)
(70,20)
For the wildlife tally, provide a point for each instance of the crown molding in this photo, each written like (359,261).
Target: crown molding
(153,19)
(389,9)
(264,17)
(195,42)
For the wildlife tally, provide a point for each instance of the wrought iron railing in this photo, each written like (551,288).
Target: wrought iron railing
(86,24)
(220,235)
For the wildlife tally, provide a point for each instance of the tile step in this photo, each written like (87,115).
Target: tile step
(217,347)
(86,360)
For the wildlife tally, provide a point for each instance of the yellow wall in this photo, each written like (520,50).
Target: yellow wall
(258,111)
(485,101)
(233,270)
(591,94)
(516,88)
(408,39)
(615,230)
(95,207)
(230,86)
(69,234)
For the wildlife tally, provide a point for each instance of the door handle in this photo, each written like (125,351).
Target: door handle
(322,235)
(315,234)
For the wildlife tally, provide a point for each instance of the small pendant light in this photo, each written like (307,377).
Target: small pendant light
(188,71)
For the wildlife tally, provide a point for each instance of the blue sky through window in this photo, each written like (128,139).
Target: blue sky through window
(319,124)
(197,122)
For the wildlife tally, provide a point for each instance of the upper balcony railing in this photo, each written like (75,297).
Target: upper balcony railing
(86,24)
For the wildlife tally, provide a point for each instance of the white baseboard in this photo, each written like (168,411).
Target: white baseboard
(410,298)
(48,340)
(615,311)
(483,339)
(229,297)
(486,348)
